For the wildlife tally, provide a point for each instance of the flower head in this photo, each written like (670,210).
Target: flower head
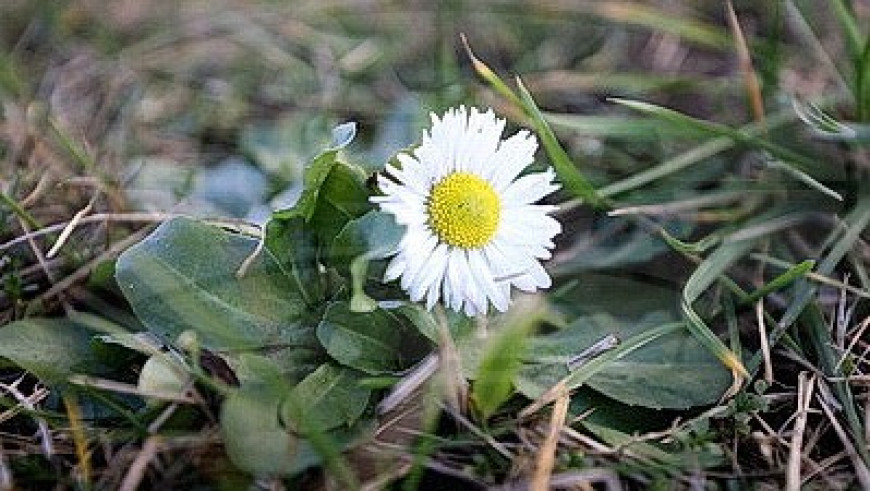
(472,226)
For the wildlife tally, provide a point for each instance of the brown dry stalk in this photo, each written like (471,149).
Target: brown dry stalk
(153,445)
(806,386)
(84,271)
(861,471)
(547,453)
(765,344)
(753,89)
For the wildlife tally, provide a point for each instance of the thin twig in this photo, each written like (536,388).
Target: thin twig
(547,454)
(96,218)
(134,476)
(806,383)
(416,377)
(861,471)
(753,89)
(454,385)
(765,344)
(29,402)
(41,260)
(492,442)
(86,269)
(67,231)
(122,388)
(852,343)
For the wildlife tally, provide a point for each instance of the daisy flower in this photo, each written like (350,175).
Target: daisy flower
(472,228)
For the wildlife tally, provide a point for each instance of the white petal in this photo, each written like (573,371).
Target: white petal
(436,263)
(528,189)
(513,155)
(395,268)
(483,276)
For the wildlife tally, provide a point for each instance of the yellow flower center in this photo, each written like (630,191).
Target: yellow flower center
(464,210)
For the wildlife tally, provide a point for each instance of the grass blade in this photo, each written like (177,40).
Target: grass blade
(689,123)
(575,182)
(790,276)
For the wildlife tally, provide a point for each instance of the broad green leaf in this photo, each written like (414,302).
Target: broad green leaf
(329,397)
(292,242)
(372,236)
(342,197)
(591,293)
(253,435)
(656,364)
(52,349)
(260,369)
(458,325)
(317,447)
(313,177)
(183,277)
(374,342)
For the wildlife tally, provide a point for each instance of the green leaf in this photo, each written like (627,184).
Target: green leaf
(656,364)
(253,435)
(594,293)
(292,242)
(183,277)
(501,360)
(312,178)
(329,397)
(52,349)
(459,325)
(342,197)
(616,241)
(373,235)
(374,342)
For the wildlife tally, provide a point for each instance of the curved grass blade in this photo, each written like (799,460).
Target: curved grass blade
(575,182)
(781,153)
(692,157)
(707,273)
